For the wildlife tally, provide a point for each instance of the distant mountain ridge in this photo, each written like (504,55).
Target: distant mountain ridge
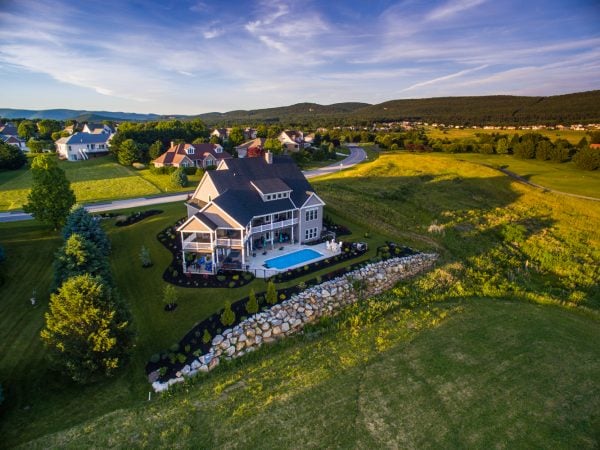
(583,107)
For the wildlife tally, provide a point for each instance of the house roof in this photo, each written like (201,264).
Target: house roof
(9,139)
(178,152)
(234,180)
(9,129)
(253,143)
(85,138)
(270,185)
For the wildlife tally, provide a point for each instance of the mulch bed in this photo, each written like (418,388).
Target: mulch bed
(191,345)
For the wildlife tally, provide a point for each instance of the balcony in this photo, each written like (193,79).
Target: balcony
(273,225)
(195,243)
(226,242)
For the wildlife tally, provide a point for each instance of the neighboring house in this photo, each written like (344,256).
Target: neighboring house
(221,133)
(192,155)
(293,140)
(249,133)
(248,205)
(13,140)
(9,129)
(97,128)
(81,146)
(71,129)
(251,148)
(595,146)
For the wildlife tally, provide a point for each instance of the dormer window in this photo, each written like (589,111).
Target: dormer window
(218,149)
(190,150)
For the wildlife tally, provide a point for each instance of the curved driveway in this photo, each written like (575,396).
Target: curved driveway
(356,156)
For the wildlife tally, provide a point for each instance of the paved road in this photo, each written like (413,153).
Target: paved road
(356,156)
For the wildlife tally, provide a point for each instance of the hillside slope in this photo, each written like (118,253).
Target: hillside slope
(476,353)
(582,107)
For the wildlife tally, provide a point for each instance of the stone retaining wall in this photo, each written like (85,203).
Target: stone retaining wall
(291,315)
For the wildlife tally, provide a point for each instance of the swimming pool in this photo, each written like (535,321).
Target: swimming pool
(292,259)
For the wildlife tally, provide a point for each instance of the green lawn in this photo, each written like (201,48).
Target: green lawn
(92,180)
(425,366)
(570,135)
(479,374)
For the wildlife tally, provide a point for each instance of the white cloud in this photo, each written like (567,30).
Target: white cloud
(444,78)
(452,8)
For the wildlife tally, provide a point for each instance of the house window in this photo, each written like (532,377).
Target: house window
(310,233)
(311,214)
(184,164)
(268,196)
(279,195)
(190,150)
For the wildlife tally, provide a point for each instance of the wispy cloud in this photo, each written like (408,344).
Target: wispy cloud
(444,78)
(204,55)
(452,8)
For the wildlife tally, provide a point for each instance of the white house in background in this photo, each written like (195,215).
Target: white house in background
(293,140)
(14,140)
(97,128)
(81,146)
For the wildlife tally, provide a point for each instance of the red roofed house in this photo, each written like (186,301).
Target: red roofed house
(251,149)
(192,155)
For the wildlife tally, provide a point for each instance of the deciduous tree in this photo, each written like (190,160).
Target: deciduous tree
(51,197)
(11,157)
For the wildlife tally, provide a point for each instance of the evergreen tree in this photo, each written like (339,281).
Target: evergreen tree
(128,152)
(85,332)
(252,304)
(169,295)
(87,226)
(228,316)
(11,157)
(271,295)
(51,197)
(79,256)
(145,257)
(179,178)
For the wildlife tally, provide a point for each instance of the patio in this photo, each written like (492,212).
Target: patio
(256,263)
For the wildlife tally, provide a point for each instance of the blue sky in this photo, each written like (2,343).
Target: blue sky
(190,57)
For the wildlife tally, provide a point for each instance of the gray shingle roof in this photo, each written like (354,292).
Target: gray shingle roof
(240,199)
(87,138)
(271,185)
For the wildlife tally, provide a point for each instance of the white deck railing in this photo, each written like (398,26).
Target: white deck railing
(229,242)
(274,225)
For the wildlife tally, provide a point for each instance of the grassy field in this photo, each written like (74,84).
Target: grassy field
(479,375)
(92,180)
(468,355)
(570,135)
(563,177)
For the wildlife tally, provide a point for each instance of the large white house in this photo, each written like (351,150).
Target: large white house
(81,146)
(247,205)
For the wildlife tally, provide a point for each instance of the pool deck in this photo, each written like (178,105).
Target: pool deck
(256,262)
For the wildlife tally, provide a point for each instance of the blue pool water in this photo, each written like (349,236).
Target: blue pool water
(292,259)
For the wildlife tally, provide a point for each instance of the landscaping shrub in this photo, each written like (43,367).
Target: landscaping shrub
(206,338)
(179,178)
(145,257)
(271,295)
(155,358)
(138,166)
(252,303)
(228,316)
